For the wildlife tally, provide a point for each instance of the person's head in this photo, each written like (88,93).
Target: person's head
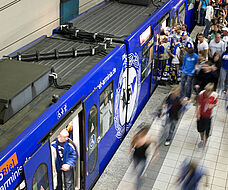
(212,3)
(209,88)
(202,56)
(192,165)
(207,66)
(175,91)
(216,57)
(216,27)
(184,35)
(63,136)
(200,37)
(178,29)
(167,31)
(220,19)
(217,37)
(184,27)
(143,132)
(225,31)
(190,51)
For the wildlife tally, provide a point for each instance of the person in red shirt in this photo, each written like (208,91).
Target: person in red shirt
(205,102)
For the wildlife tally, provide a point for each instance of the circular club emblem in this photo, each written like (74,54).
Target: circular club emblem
(92,141)
(127,86)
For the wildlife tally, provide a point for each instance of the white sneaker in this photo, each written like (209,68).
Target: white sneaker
(167,143)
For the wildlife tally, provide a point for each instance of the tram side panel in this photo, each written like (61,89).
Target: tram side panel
(103,111)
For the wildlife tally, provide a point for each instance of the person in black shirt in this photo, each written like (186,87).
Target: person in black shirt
(174,104)
(205,76)
(139,144)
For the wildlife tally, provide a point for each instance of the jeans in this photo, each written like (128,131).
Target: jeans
(172,123)
(202,16)
(186,85)
(207,28)
(68,180)
(162,64)
(223,80)
(140,165)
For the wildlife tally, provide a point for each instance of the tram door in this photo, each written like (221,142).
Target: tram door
(92,138)
(155,60)
(38,171)
(74,124)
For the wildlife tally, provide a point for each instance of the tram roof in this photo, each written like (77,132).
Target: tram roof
(110,18)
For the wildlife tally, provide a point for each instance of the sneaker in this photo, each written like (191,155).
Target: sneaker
(200,144)
(167,143)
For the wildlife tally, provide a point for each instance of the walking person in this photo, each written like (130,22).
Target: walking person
(206,75)
(174,103)
(202,8)
(208,18)
(66,156)
(190,175)
(205,102)
(139,145)
(223,79)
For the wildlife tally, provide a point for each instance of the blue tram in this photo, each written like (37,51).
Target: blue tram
(112,78)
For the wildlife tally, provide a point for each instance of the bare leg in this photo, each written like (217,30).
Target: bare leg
(202,136)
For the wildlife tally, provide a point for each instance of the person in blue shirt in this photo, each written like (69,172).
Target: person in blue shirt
(66,156)
(190,175)
(223,78)
(188,69)
(203,7)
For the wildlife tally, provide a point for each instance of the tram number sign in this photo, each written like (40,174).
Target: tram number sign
(61,111)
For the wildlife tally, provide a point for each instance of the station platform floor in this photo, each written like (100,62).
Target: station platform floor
(161,174)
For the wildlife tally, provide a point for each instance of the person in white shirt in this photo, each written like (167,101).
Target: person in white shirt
(202,46)
(225,35)
(208,17)
(216,45)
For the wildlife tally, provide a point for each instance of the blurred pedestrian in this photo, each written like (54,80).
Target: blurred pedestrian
(205,102)
(209,17)
(139,145)
(174,104)
(223,78)
(190,175)
(205,76)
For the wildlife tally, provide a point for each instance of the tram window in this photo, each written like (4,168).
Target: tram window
(40,178)
(92,138)
(176,17)
(182,13)
(147,59)
(172,22)
(106,109)
(164,21)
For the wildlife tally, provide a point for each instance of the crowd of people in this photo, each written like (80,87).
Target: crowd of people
(194,63)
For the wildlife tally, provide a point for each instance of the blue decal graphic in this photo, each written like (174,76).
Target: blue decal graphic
(130,88)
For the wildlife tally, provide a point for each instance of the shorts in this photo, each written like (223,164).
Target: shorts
(204,124)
